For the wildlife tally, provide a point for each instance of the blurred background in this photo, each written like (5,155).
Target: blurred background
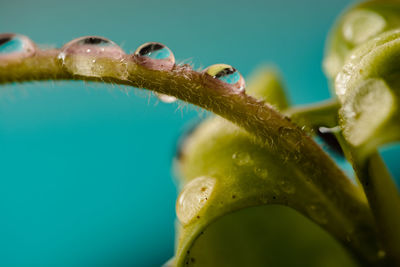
(86,169)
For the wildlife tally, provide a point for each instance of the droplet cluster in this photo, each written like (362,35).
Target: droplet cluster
(99,57)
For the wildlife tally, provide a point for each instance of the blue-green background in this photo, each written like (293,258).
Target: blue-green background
(85,169)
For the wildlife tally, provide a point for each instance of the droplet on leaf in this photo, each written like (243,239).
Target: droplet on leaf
(193,198)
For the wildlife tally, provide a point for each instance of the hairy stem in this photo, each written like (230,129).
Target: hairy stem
(270,127)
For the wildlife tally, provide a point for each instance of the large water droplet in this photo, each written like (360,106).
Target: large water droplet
(15,46)
(155,56)
(193,198)
(94,56)
(165,98)
(317,213)
(242,158)
(228,75)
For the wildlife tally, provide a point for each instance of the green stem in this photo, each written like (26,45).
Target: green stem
(372,173)
(271,128)
(384,200)
(257,117)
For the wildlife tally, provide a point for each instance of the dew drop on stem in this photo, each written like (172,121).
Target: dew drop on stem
(228,75)
(165,98)
(15,46)
(155,56)
(94,56)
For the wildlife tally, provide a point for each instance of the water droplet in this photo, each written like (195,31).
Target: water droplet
(362,25)
(94,56)
(287,187)
(193,198)
(228,75)
(15,46)
(261,172)
(155,56)
(317,213)
(165,98)
(242,159)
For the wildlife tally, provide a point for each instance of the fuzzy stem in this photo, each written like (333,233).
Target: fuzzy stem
(384,200)
(273,129)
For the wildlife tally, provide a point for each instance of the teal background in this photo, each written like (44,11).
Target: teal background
(85,169)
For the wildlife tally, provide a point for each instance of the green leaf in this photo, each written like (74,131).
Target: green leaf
(356,26)
(224,170)
(269,235)
(368,88)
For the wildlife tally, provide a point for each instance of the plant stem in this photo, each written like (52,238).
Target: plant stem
(274,130)
(384,200)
